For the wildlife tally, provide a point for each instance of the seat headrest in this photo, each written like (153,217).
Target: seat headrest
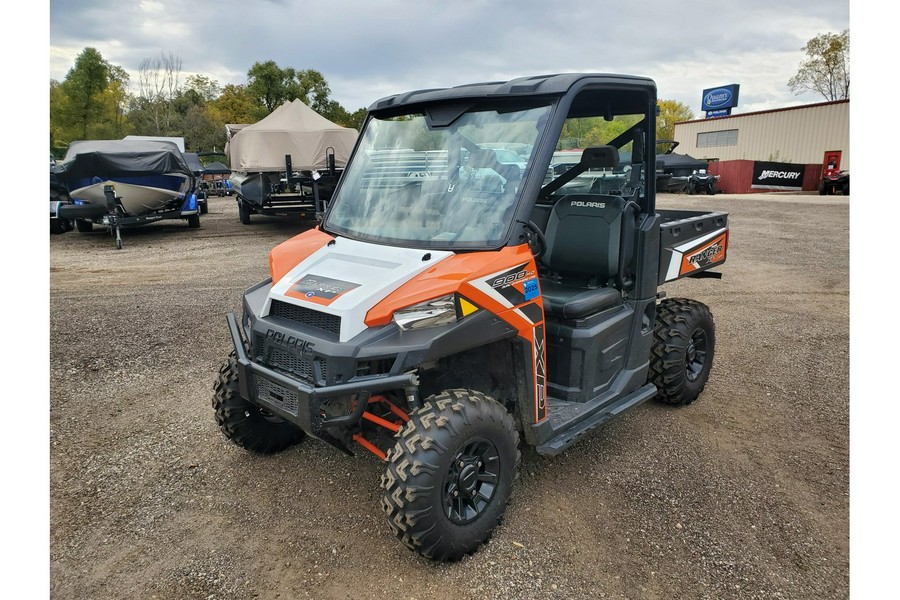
(600,157)
(482,158)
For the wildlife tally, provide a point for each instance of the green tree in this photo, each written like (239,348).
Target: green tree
(313,90)
(334,112)
(826,69)
(90,102)
(205,87)
(236,105)
(201,131)
(271,86)
(671,112)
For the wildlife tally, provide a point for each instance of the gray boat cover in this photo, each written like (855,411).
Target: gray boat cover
(193,161)
(120,158)
(216,168)
(295,129)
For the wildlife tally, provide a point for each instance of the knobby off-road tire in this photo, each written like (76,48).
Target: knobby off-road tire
(684,341)
(246,424)
(450,474)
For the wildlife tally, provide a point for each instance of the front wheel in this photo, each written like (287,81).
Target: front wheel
(245,424)
(684,341)
(450,474)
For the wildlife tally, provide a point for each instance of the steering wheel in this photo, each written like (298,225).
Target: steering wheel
(537,243)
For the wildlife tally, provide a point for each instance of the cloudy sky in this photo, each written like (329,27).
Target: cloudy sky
(370,49)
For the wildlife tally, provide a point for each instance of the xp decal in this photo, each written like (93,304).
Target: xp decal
(540,394)
(321,287)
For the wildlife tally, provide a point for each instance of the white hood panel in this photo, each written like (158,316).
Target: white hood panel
(371,271)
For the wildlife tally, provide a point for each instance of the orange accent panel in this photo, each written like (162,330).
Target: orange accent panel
(287,255)
(715,247)
(449,276)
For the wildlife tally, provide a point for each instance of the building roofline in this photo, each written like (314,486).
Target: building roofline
(771,110)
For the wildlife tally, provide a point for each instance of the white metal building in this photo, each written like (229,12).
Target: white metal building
(799,134)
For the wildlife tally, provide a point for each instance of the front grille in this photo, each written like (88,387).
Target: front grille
(306,316)
(273,393)
(299,366)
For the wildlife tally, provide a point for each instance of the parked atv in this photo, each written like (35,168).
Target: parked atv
(451,307)
(700,181)
(834,182)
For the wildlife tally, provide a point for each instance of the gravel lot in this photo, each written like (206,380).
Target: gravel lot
(744,494)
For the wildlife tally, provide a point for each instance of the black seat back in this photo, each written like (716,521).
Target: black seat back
(583,236)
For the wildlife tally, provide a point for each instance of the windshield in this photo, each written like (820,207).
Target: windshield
(415,181)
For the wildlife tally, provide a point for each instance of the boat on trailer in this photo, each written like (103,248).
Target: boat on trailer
(122,183)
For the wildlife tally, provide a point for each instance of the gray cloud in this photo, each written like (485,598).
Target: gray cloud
(370,49)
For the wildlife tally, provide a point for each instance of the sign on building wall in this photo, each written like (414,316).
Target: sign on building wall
(718,101)
(777,176)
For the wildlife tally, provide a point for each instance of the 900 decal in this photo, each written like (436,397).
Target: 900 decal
(511,277)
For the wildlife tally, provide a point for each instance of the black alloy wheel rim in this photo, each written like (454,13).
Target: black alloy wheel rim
(471,481)
(695,355)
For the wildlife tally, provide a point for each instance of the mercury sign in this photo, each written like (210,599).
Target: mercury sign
(725,96)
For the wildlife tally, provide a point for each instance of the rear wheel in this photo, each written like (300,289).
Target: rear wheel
(684,341)
(244,212)
(450,474)
(246,424)
(58,226)
(194,221)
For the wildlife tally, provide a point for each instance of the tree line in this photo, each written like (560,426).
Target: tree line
(99,100)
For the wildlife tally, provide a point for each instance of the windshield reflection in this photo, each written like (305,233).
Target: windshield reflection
(444,187)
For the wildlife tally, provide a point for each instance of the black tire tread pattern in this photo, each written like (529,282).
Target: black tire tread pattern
(243,423)
(676,320)
(414,471)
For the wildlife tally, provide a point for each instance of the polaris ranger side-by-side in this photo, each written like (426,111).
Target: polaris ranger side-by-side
(451,306)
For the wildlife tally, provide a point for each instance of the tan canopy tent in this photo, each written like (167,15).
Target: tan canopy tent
(292,128)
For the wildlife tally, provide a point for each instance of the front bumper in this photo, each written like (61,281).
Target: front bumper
(301,403)
(294,366)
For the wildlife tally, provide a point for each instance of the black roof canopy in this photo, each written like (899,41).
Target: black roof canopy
(528,87)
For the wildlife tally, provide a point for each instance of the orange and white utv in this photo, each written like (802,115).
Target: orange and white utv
(486,274)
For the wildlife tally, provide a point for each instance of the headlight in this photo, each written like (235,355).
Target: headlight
(433,313)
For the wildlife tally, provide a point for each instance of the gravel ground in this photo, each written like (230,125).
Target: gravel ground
(743,494)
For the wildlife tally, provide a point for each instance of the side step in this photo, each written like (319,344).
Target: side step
(579,419)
